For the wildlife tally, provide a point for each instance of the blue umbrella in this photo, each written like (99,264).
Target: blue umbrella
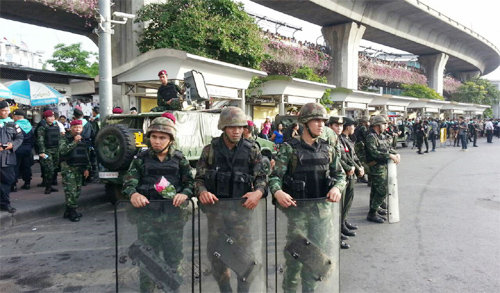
(32,93)
(5,93)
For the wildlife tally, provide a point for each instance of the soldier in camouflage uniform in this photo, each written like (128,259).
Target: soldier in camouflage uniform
(47,140)
(307,167)
(378,151)
(360,134)
(230,167)
(159,229)
(75,166)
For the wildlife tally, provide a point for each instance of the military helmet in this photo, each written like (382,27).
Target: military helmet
(364,119)
(377,120)
(232,116)
(312,111)
(336,120)
(162,124)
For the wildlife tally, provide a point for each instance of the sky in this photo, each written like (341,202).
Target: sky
(482,17)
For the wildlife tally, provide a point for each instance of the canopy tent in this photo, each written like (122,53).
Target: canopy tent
(5,93)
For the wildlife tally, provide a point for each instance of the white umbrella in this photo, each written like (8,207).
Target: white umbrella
(32,93)
(5,93)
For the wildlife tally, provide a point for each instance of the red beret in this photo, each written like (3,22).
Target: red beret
(117,110)
(48,113)
(76,122)
(250,123)
(163,71)
(169,116)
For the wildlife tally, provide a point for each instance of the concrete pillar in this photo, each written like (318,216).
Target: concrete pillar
(434,70)
(282,105)
(343,39)
(243,100)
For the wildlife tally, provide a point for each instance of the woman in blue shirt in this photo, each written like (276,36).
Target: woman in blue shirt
(277,136)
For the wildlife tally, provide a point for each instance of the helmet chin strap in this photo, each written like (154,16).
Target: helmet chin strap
(227,137)
(310,133)
(159,152)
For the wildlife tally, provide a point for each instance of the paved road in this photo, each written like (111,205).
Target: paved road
(447,240)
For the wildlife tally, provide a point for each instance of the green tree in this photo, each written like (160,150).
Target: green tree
(218,29)
(477,91)
(420,91)
(72,58)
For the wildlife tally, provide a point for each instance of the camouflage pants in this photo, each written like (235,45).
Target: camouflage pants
(313,222)
(161,228)
(49,165)
(222,224)
(72,183)
(176,104)
(347,197)
(378,192)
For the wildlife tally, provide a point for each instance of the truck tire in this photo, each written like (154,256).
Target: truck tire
(115,147)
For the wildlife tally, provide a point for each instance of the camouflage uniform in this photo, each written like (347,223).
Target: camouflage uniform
(301,222)
(349,160)
(160,225)
(360,134)
(47,141)
(166,93)
(74,161)
(229,174)
(377,153)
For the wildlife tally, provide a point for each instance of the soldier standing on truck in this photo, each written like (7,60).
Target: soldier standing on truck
(307,168)
(160,230)
(378,151)
(230,167)
(75,167)
(168,94)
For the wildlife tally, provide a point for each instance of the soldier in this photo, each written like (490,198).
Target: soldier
(462,132)
(88,136)
(378,151)
(75,166)
(307,167)
(168,94)
(162,231)
(230,167)
(11,137)
(360,134)
(24,154)
(47,140)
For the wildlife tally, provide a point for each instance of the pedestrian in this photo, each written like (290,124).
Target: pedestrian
(266,128)
(168,95)
(95,120)
(133,111)
(307,168)
(462,132)
(24,154)
(47,140)
(433,133)
(489,128)
(378,152)
(11,138)
(160,229)
(473,130)
(230,167)
(75,167)
(426,135)
(64,121)
(277,136)
(419,131)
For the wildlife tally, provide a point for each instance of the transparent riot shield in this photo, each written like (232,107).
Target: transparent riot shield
(232,247)
(307,247)
(154,247)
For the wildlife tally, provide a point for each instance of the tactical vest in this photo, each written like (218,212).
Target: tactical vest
(226,178)
(52,136)
(154,170)
(78,155)
(309,176)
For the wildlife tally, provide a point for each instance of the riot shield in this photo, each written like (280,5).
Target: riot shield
(154,247)
(307,247)
(232,247)
(392,190)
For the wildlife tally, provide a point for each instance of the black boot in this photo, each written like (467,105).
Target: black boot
(49,189)
(343,237)
(71,214)
(351,226)
(344,245)
(374,217)
(346,231)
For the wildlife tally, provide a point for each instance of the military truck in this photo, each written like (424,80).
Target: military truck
(122,137)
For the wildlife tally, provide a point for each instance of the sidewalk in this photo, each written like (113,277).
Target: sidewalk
(32,204)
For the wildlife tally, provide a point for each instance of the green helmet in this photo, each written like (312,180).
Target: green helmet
(312,111)
(232,116)
(364,119)
(377,120)
(162,124)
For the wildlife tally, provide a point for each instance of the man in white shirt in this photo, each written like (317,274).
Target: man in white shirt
(488,127)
